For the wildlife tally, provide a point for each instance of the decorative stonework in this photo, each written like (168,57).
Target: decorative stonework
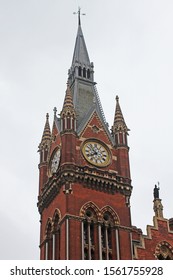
(95,129)
(164,251)
(88,205)
(114,216)
(105,214)
(88,177)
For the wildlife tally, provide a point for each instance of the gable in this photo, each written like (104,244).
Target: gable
(94,128)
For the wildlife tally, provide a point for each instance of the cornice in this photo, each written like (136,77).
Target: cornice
(92,178)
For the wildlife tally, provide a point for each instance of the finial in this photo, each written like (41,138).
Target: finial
(47,116)
(55,110)
(117,98)
(79,13)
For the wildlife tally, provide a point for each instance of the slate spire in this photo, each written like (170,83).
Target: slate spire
(81,82)
(80,54)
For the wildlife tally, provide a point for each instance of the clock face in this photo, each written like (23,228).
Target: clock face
(54,163)
(96,153)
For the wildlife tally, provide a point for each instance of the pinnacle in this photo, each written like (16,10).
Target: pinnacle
(68,101)
(68,106)
(46,133)
(119,122)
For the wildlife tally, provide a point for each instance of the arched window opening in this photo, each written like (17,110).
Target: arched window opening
(106,235)
(56,222)
(80,71)
(56,238)
(84,73)
(88,74)
(89,234)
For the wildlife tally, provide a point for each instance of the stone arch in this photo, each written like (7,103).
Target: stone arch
(89,206)
(108,215)
(164,251)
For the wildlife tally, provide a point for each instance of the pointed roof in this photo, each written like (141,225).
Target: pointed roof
(80,54)
(46,133)
(68,102)
(83,87)
(119,122)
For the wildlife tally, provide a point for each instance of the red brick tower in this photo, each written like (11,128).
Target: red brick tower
(85,184)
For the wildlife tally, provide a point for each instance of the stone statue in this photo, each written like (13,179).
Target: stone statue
(156,192)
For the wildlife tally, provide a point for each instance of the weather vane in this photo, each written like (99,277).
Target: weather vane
(79,14)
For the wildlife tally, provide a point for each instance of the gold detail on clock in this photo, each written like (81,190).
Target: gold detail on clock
(96,153)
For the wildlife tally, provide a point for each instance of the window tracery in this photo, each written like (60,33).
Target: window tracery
(99,229)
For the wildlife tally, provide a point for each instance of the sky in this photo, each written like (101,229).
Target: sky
(130,43)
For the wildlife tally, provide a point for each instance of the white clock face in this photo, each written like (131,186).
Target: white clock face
(55,161)
(96,153)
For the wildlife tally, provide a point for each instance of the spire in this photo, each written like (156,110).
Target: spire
(80,54)
(157,207)
(83,87)
(46,134)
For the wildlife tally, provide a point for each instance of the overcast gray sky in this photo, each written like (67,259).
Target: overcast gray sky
(131,45)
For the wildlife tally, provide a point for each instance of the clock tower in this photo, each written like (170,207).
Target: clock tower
(85,184)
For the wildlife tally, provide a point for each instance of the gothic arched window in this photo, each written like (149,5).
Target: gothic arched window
(106,235)
(89,233)
(100,237)
(109,232)
(89,213)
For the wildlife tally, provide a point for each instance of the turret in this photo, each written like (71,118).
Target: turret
(119,128)
(45,141)
(68,129)
(68,115)
(120,133)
